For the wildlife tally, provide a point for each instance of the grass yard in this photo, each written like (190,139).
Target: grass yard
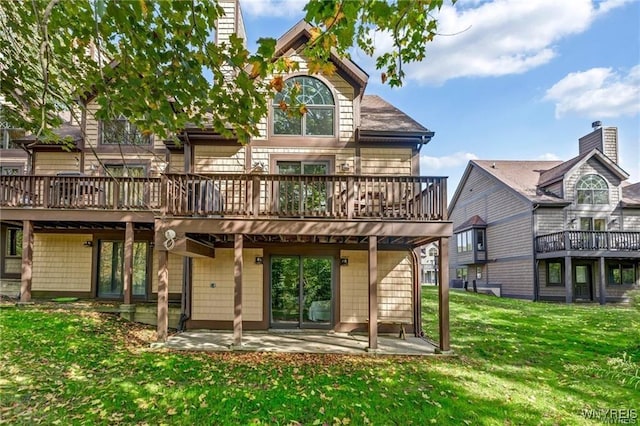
(518,363)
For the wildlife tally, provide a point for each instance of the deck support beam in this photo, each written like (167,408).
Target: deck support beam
(443,295)
(373,292)
(568,281)
(602,281)
(237,289)
(27,261)
(163,295)
(128,263)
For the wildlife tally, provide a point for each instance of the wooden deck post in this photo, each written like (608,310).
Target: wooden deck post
(27,261)
(443,295)
(128,263)
(237,290)
(373,292)
(602,283)
(163,295)
(568,281)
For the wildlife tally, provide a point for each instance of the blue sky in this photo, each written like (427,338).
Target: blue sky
(522,79)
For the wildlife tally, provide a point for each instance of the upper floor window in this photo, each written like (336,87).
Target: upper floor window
(592,189)
(10,170)
(8,135)
(465,241)
(319,118)
(121,131)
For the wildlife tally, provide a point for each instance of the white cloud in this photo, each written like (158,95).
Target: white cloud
(548,156)
(597,93)
(273,8)
(448,161)
(501,37)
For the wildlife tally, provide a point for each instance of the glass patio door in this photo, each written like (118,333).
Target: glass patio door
(111,269)
(300,196)
(301,291)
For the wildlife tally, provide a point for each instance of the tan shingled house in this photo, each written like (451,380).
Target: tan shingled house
(549,230)
(314,224)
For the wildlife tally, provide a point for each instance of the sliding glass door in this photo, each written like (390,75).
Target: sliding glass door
(301,291)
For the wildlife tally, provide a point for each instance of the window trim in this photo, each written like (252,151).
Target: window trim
(19,166)
(336,115)
(4,252)
(592,191)
(101,143)
(621,266)
(148,266)
(548,274)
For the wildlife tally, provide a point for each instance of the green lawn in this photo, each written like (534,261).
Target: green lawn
(518,363)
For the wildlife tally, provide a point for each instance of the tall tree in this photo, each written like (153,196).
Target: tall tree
(156,62)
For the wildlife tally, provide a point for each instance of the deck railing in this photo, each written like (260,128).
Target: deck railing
(588,240)
(80,192)
(238,195)
(307,196)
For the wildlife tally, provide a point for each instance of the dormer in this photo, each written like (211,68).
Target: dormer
(470,239)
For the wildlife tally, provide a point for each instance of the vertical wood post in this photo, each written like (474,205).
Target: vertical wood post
(568,281)
(27,261)
(237,290)
(373,292)
(602,283)
(443,295)
(163,295)
(351,197)
(255,195)
(128,263)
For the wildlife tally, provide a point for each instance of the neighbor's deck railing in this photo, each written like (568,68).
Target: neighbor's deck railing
(246,195)
(307,196)
(80,192)
(588,240)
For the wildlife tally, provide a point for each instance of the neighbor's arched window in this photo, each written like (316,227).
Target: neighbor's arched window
(320,116)
(592,189)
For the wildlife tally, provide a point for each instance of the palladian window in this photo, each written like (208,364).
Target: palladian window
(319,118)
(592,189)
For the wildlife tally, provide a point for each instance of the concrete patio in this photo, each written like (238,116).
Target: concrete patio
(307,341)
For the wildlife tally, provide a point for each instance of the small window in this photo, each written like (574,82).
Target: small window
(621,274)
(121,132)
(8,135)
(319,118)
(480,239)
(462,273)
(554,274)
(14,242)
(10,170)
(592,189)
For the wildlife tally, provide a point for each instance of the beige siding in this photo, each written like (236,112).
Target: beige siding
(263,155)
(593,166)
(61,262)
(549,220)
(219,159)
(92,124)
(354,282)
(176,163)
(217,303)
(175,273)
(631,220)
(343,96)
(386,161)
(515,276)
(50,163)
(395,287)
(509,233)
(395,291)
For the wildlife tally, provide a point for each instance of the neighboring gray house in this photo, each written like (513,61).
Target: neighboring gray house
(549,230)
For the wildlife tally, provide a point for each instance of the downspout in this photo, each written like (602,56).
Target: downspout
(417,292)
(536,284)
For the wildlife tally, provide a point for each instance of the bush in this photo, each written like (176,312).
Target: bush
(634,298)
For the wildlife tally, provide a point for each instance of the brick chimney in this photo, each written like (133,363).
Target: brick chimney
(604,139)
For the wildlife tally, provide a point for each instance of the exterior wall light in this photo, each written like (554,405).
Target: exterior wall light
(259,260)
(344,261)
(88,243)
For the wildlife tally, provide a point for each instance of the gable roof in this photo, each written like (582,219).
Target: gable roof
(558,173)
(300,34)
(631,194)
(376,114)
(473,221)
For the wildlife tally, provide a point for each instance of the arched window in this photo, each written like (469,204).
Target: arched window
(592,189)
(318,100)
